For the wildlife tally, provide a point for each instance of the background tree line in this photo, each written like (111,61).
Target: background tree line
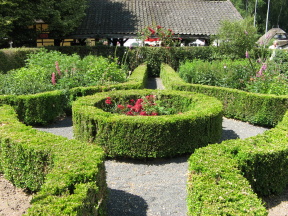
(278,14)
(17,17)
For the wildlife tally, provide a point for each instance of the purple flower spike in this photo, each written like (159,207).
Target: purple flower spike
(247,54)
(53,79)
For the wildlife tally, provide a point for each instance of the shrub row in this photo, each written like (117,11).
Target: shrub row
(68,175)
(43,108)
(13,58)
(221,175)
(261,109)
(149,136)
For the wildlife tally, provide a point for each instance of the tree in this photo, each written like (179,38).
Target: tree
(17,17)
(236,37)
(277,13)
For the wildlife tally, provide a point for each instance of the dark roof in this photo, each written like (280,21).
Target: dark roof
(125,18)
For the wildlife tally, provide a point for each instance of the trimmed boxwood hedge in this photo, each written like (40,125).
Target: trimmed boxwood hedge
(68,175)
(44,108)
(149,136)
(260,109)
(224,178)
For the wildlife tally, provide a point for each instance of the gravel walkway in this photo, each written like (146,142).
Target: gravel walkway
(155,187)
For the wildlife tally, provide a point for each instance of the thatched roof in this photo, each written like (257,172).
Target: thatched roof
(271,34)
(125,18)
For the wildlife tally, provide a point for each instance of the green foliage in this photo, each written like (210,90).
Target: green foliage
(68,175)
(13,58)
(236,37)
(69,72)
(258,109)
(149,136)
(226,73)
(17,15)
(221,176)
(43,108)
(271,77)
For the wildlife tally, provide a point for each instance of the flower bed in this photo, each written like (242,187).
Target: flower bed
(197,122)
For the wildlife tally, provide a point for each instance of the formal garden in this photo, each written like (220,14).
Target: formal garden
(114,116)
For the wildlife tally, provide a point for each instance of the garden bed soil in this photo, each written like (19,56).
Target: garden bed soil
(13,201)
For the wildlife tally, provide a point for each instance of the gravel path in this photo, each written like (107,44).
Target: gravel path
(155,187)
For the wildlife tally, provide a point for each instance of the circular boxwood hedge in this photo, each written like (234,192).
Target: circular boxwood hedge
(197,122)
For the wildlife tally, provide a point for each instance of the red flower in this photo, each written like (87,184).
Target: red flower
(154,114)
(137,108)
(159,27)
(129,106)
(108,101)
(143,113)
(129,113)
(151,30)
(132,101)
(121,107)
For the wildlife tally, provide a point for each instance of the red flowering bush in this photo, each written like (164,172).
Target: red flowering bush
(145,106)
(166,36)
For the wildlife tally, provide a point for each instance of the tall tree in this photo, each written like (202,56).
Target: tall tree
(277,13)
(17,17)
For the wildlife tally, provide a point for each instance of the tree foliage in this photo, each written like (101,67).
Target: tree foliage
(237,36)
(277,12)
(17,17)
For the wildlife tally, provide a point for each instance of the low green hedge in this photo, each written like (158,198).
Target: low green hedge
(224,178)
(265,110)
(44,108)
(149,136)
(68,175)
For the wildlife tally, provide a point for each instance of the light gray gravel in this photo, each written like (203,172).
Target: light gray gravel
(155,187)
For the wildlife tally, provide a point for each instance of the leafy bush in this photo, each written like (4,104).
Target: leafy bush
(239,74)
(226,73)
(261,109)
(236,37)
(45,71)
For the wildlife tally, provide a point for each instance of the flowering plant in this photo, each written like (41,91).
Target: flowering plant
(166,36)
(144,106)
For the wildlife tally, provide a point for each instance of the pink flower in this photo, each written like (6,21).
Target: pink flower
(143,113)
(53,79)
(154,114)
(159,27)
(264,66)
(129,106)
(247,54)
(57,68)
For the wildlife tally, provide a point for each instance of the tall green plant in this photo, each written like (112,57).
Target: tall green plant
(236,37)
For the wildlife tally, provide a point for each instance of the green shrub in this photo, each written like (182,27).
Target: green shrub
(44,108)
(226,73)
(148,136)
(224,178)
(68,175)
(266,110)
(46,71)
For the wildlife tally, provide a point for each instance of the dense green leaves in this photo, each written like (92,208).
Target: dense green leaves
(17,17)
